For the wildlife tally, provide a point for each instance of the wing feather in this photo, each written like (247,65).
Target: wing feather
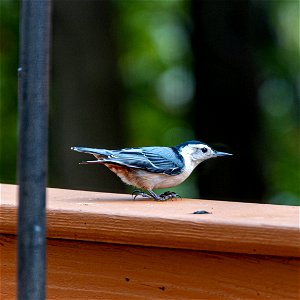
(153,159)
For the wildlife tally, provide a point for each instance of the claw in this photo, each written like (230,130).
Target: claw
(164,196)
(170,195)
(139,193)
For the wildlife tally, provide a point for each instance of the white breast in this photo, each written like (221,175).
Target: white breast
(159,181)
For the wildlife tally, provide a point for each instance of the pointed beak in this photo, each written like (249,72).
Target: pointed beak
(219,153)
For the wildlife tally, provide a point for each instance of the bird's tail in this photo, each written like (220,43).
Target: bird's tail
(92,162)
(94,151)
(98,153)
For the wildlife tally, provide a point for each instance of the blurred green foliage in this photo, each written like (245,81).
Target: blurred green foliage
(9,36)
(279,99)
(156,63)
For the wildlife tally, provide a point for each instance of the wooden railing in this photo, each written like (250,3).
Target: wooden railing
(109,246)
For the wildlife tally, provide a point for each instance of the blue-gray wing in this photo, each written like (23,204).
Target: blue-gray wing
(153,159)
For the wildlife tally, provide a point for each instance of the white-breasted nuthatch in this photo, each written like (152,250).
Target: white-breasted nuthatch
(151,168)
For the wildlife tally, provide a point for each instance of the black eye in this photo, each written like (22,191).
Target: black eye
(204,150)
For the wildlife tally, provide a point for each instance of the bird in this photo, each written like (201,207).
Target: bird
(150,168)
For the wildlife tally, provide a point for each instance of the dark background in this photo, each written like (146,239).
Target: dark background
(140,73)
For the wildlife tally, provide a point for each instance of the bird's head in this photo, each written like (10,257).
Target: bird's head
(197,152)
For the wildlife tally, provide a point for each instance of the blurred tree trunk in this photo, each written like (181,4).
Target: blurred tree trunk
(86,94)
(226,109)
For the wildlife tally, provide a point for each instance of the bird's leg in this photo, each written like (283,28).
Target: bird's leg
(164,196)
(139,193)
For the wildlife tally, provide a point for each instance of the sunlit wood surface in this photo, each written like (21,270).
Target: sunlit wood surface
(109,246)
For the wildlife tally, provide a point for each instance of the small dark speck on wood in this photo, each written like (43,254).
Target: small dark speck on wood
(201,212)
(162,288)
(127,279)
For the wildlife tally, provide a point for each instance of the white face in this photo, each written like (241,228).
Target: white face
(201,152)
(198,152)
(194,154)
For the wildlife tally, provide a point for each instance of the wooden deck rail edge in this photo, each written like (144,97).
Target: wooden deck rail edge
(114,218)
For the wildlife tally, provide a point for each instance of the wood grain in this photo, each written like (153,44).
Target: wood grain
(114,218)
(88,270)
(108,246)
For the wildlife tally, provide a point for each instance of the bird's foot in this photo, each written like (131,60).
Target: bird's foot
(164,196)
(136,193)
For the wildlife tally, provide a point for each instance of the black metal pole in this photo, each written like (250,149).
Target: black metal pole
(32,155)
